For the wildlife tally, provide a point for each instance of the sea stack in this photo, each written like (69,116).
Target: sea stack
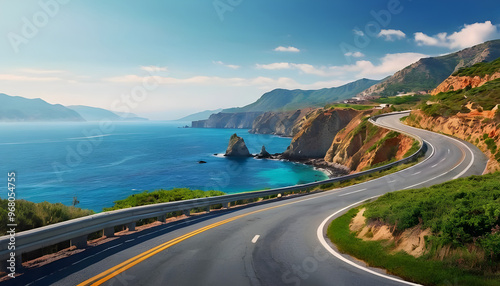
(263,153)
(237,147)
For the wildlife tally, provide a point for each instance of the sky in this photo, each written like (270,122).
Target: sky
(164,59)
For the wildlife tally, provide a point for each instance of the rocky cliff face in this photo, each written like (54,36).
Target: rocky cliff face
(237,147)
(319,127)
(279,123)
(361,145)
(243,120)
(485,134)
(461,82)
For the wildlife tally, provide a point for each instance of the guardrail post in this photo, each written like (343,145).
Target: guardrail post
(226,205)
(131,226)
(79,242)
(187,212)
(162,218)
(207,209)
(109,231)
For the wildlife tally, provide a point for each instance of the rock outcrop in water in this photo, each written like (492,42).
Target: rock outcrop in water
(263,153)
(237,147)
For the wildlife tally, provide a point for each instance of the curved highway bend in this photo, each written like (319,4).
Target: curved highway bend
(269,244)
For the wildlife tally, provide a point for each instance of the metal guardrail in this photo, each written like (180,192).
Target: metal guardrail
(77,230)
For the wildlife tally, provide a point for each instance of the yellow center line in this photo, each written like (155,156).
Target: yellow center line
(120,268)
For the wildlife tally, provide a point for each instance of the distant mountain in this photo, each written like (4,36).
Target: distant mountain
(427,73)
(96,114)
(16,108)
(93,113)
(128,116)
(200,115)
(285,100)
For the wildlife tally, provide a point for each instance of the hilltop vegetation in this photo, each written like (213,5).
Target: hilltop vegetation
(479,69)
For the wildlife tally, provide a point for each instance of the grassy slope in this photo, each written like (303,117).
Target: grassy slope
(463,214)
(479,69)
(451,102)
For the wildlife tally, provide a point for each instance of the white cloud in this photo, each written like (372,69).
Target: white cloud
(287,49)
(389,64)
(234,67)
(153,68)
(358,32)
(40,71)
(13,77)
(468,36)
(274,66)
(354,54)
(261,82)
(391,34)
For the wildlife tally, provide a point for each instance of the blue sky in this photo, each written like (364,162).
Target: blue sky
(165,59)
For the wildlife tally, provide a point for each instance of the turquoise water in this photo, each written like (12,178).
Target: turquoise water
(99,164)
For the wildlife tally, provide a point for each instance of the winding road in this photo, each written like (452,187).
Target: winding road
(273,243)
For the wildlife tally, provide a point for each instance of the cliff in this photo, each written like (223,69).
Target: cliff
(361,145)
(279,123)
(461,82)
(428,73)
(237,147)
(243,120)
(319,127)
(471,77)
(481,131)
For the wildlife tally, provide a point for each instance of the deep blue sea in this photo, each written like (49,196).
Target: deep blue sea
(99,164)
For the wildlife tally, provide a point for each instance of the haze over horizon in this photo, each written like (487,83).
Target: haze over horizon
(165,59)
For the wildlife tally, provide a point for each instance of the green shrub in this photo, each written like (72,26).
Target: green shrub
(458,212)
(162,196)
(31,215)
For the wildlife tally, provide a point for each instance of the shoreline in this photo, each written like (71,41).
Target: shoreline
(331,170)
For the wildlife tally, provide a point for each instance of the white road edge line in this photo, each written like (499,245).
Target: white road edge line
(322,240)
(350,193)
(255,238)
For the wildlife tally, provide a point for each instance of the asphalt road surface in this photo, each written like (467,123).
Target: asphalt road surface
(273,243)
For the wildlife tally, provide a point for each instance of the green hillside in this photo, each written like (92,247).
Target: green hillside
(427,73)
(480,69)
(451,102)
(463,216)
(284,99)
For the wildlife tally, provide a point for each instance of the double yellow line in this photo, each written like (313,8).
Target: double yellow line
(120,268)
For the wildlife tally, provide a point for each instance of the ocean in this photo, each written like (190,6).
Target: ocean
(101,163)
